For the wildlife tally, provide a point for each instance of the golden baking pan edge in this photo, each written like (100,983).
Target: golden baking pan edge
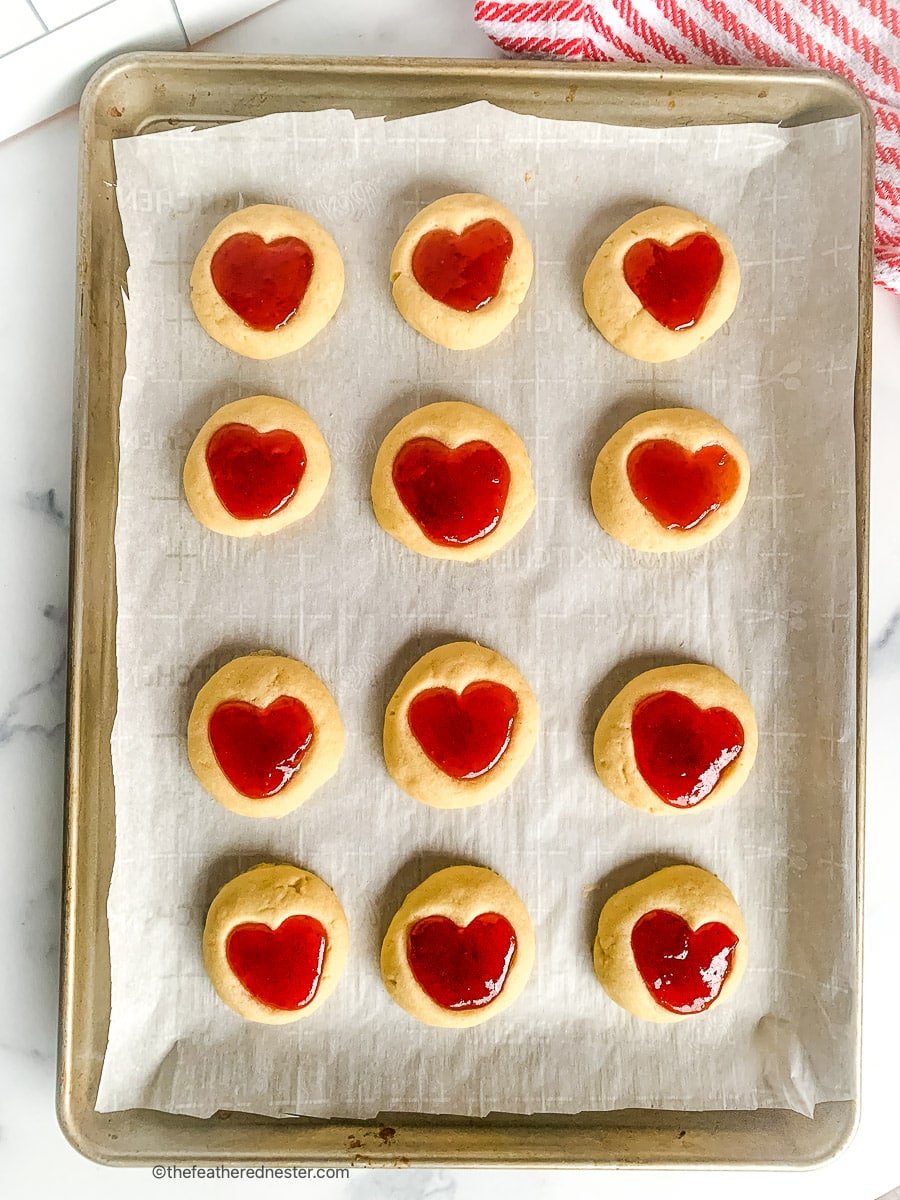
(141,93)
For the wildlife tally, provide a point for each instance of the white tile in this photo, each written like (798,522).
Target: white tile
(202,18)
(60,12)
(18,25)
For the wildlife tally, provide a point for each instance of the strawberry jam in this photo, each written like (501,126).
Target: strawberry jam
(456,496)
(280,967)
(461,967)
(260,749)
(254,474)
(678,487)
(684,969)
(680,749)
(263,282)
(465,733)
(463,270)
(674,283)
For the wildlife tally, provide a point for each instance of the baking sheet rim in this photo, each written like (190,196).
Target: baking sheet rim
(71,1107)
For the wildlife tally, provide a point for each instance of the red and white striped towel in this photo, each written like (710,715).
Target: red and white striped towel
(859,39)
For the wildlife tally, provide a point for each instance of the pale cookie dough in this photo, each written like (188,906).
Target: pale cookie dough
(618,313)
(614,750)
(455,666)
(262,413)
(460,894)
(267,895)
(438,321)
(621,513)
(317,307)
(260,679)
(693,894)
(453,423)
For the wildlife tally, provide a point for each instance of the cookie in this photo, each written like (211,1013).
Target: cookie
(460,948)
(267,280)
(460,270)
(662,284)
(670,479)
(263,735)
(257,465)
(460,726)
(275,943)
(451,480)
(676,740)
(671,946)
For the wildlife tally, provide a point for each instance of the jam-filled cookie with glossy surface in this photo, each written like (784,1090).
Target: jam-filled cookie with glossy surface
(451,480)
(257,465)
(460,948)
(676,740)
(264,734)
(461,269)
(267,280)
(275,943)
(671,946)
(661,284)
(670,479)
(460,726)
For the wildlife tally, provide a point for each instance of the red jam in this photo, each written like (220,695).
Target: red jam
(678,487)
(681,750)
(463,270)
(455,496)
(465,733)
(260,749)
(263,282)
(684,969)
(281,967)
(254,474)
(674,283)
(461,966)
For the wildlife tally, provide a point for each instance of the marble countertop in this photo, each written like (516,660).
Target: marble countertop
(37,209)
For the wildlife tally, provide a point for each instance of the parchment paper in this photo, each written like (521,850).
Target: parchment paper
(771,603)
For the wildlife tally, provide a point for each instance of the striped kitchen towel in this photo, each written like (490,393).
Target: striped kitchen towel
(859,39)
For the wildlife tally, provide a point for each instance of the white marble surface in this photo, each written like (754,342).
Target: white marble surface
(37,212)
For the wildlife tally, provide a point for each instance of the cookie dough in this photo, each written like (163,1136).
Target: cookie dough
(695,490)
(276,725)
(266,965)
(452,523)
(693,735)
(618,312)
(270,281)
(467,703)
(505,287)
(259,472)
(464,954)
(700,963)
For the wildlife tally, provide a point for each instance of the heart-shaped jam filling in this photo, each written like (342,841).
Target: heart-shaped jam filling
(684,969)
(260,749)
(674,283)
(455,496)
(680,749)
(680,487)
(263,282)
(463,270)
(281,967)
(465,733)
(461,966)
(254,474)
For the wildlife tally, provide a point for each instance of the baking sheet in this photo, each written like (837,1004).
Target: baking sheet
(771,602)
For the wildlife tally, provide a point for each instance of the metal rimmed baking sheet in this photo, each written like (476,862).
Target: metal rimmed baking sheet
(608,96)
